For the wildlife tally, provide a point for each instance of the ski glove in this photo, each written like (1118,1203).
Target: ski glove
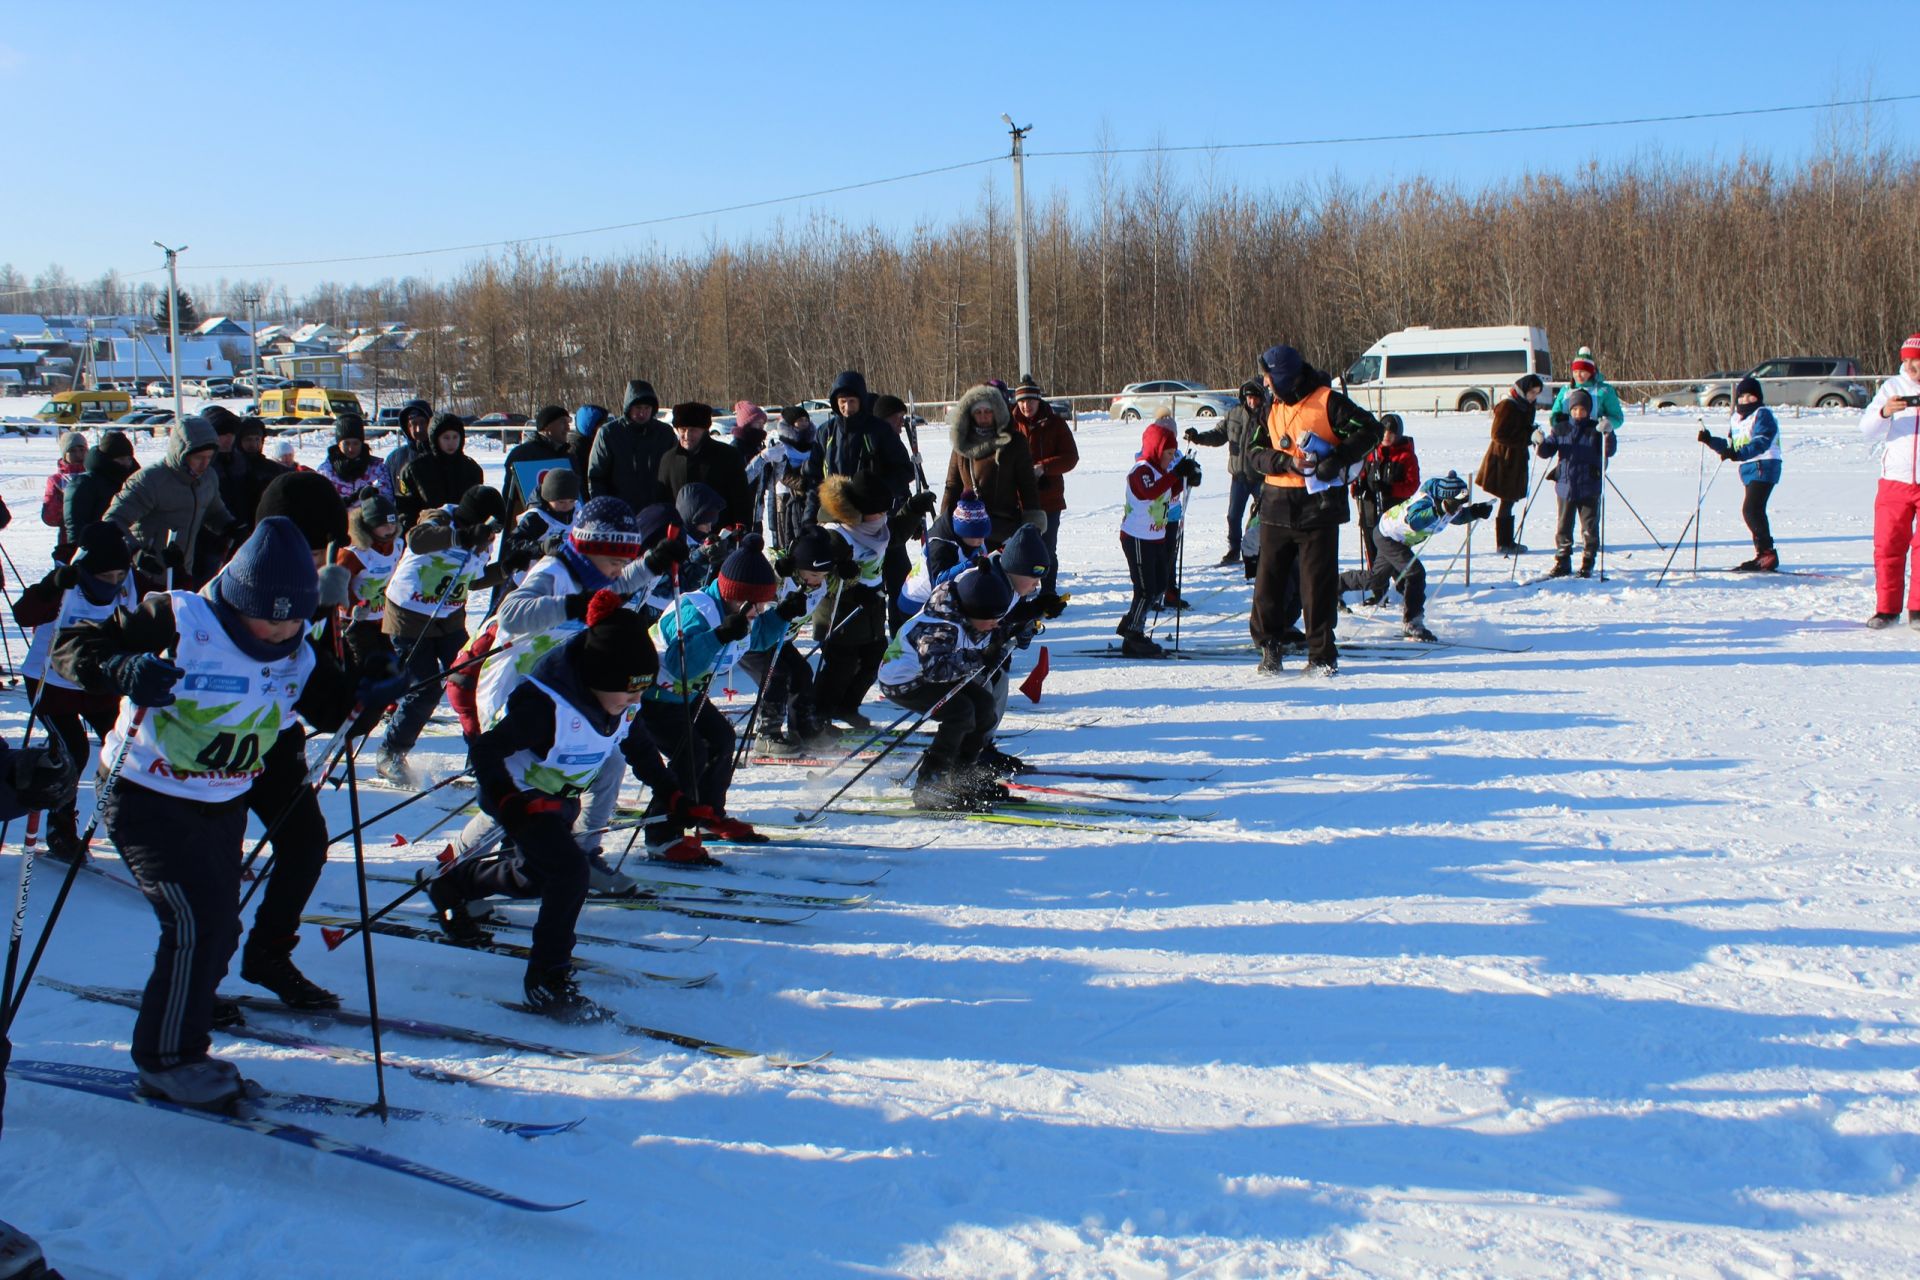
(1327,469)
(173,556)
(665,554)
(577,604)
(334,580)
(44,777)
(1051,604)
(733,628)
(1479,511)
(792,607)
(1188,469)
(919,506)
(146,678)
(517,808)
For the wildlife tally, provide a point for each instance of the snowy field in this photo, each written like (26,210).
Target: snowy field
(1591,960)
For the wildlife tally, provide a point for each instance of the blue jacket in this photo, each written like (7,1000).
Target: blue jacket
(1577,445)
(1766,434)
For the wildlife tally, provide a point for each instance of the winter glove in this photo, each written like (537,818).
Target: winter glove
(1188,469)
(334,580)
(734,627)
(149,565)
(1604,426)
(1478,511)
(516,808)
(1327,469)
(1190,436)
(1539,435)
(146,678)
(1051,605)
(783,565)
(476,536)
(1705,437)
(665,554)
(66,577)
(577,604)
(382,681)
(173,556)
(518,556)
(723,543)
(792,607)
(919,506)
(847,569)
(44,777)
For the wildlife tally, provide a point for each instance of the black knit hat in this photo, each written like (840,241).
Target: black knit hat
(793,415)
(271,576)
(1026,553)
(548,415)
(223,420)
(349,426)
(250,426)
(982,592)
(1749,386)
(102,549)
(887,406)
(869,492)
(816,550)
(616,653)
(479,505)
(559,484)
(746,575)
(376,509)
(309,500)
(693,415)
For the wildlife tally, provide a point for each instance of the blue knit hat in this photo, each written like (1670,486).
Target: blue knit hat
(970,518)
(983,593)
(1026,553)
(1448,486)
(605,527)
(271,576)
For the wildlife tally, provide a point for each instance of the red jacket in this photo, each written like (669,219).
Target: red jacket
(53,501)
(1401,455)
(1050,441)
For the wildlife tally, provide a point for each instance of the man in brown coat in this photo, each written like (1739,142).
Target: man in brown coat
(991,459)
(1050,441)
(1503,472)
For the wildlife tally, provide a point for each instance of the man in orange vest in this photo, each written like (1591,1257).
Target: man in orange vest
(1315,438)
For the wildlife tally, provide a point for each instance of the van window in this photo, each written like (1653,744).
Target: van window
(1543,363)
(1435,364)
(1497,362)
(1365,369)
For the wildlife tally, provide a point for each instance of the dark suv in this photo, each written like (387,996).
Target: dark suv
(1840,384)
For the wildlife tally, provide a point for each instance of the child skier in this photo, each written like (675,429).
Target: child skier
(954,542)
(541,522)
(1753,441)
(851,621)
(1152,486)
(1577,441)
(369,558)
(787,718)
(180,766)
(561,727)
(1397,537)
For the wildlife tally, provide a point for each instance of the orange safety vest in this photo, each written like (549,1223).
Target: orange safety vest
(1289,422)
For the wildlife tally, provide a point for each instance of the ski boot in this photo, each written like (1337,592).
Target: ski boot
(1272,659)
(206,1085)
(63,845)
(979,784)
(1135,644)
(451,914)
(1320,671)
(556,995)
(392,767)
(1765,562)
(1913,619)
(999,762)
(936,790)
(1881,621)
(684,850)
(603,881)
(1416,629)
(1562,567)
(268,962)
(1231,558)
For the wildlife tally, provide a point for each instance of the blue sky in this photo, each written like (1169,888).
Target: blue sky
(357,129)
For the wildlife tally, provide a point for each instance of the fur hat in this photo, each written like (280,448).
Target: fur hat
(271,576)
(746,575)
(973,441)
(606,526)
(970,518)
(851,499)
(616,653)
(693,416)
(310,501)
(559,483)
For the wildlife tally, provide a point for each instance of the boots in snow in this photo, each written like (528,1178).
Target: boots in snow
(1562,567)
(268,962)
(603,880)
(685,850)
(999,762)
(451,914)
(1272,659)
(1416,629)
(392,767)
(206,1085)
(1881,621)
(1136,645)
(554,994)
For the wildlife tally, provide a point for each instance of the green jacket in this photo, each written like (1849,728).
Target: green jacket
(1606,403)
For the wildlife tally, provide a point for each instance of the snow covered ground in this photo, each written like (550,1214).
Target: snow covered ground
(1594,959)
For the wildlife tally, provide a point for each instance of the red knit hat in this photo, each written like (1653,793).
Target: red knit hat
(1584,364)
(1910,349)
(746,577)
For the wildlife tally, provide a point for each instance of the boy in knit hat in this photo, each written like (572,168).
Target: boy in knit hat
(954,542)
(1397,537)
(851,621)
(210,679)
(540,523)
(349,464)
(705,633)
(788,718)
(1577,439)
(97,583)
(559,733)
(369,559)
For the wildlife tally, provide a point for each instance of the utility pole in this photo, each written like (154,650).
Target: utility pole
(1020,133)
(253,333)
(173,322)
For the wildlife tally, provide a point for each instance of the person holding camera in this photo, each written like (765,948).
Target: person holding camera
(1893,418)
(1391,476)
(1503,471)
(1153,485)
(169,506)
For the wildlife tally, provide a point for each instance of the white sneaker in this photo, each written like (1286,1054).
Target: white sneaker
(604,880)
(207,1085)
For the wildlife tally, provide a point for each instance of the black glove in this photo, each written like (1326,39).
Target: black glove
(1190,436)
(919,506)
(577,602)
(783,565)
(793,606)
(665,554)
(1479,511)
(724,541)
(518,556)
(1327,469)
(734,627)
(1051,604)
(849,569)
(475,536)
(173,556)
(382,681)
(516,808)
(149,565)
(1188,469)
(1705,437)
(66,577)
(44,777)
(146,678)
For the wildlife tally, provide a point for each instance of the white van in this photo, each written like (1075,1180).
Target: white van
(1430,370)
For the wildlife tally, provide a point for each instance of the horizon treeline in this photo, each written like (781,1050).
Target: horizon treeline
(1667,269)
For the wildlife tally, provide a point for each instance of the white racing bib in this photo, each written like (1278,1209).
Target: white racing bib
(578,753)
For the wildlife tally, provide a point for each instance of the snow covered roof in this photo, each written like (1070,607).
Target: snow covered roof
(137,358)
(25,325)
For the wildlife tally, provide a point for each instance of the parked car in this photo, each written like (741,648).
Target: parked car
(500,420)
(1839,384)
(1687,395)
(1191,399)
(388,417)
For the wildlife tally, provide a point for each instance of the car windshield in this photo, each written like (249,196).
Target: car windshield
(1365,369)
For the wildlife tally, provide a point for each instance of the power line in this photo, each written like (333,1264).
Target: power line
(1435,135)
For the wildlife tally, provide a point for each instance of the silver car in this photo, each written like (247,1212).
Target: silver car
(1840,384)
(1190,399)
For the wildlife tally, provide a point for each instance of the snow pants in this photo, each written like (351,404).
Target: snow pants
(1315,555)
(281,795)
(1150,566)
(1390,560)
(1894,508)
(1589,514)
(702,760)
(787,684)
(964,723)
(185,856)
(552,867)
(1753,509)
(433,655)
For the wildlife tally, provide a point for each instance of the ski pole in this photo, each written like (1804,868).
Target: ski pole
(1179,563)
(1693,523)
(1600,505)
(12,1010)
(1466,576)
(888,749)
(333,937)
(1636,515)
(746,741)
(1514,571)
(18,927)
(366,942)
(1699,497)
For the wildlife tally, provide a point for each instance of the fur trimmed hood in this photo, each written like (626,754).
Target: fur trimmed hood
(970,441)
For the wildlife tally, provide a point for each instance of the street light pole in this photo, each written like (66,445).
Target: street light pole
(253,333)
(1020,133)
(173,322)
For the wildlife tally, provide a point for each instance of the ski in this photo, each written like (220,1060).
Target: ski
(736,869)
(994,818)
(1021,804)
(727,893)
(266,1099)
(1185,655)
(1077,793)
(1113,775)
(605,1017)
(512,950)
(1783,573)
(648,902)
(800,843)
(498,921)
(104,1085)
(1418,647)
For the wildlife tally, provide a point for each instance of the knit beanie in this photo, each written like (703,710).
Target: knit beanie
(747,414)
(746,576)
(479,505)
(548,415)
(223,420)
(616,653)
(793,415)
(983,593)
(250,426)
(970,518)
(1580,399)
(375,510)
(349,426)
(816,550)
(1027,390)
(271,576)
(796,430)
(1156,439)
(1026,553)
(886,406)
(869,492)
(558,484)
(698,504)
(1910,349)
(102,548)
(693,416)
(1583,361)
(605,526)
(71,440)
(1449,486)
(310,502)
(115,444)
(1749,386)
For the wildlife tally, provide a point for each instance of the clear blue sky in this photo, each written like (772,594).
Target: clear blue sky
(336,130)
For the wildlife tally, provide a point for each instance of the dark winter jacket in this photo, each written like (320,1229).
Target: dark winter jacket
(243,478)
(1051,444)
(1503,472)
(351,475)
(848,445)
(411,446)
(167,501)
(1577,444)
(1237,431)
(436,479)
(716,464)
(536,449)
(110,465)
(994,463)
(1292,506)
(625,458)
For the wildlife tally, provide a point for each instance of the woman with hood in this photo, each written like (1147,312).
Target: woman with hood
(1503,471)
(350,465)
(174,507)
(110,464)
(991,459)
(414,417)
(53,499)
(440,478)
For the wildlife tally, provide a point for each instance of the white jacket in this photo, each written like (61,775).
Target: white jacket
(1901,432)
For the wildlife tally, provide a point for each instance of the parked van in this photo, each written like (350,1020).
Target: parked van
(1422,369)
(72,408)
(307,402)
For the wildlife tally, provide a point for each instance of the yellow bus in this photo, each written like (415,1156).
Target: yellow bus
(74,408)
(307,402)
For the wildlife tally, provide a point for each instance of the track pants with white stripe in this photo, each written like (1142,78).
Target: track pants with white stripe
(186,857)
